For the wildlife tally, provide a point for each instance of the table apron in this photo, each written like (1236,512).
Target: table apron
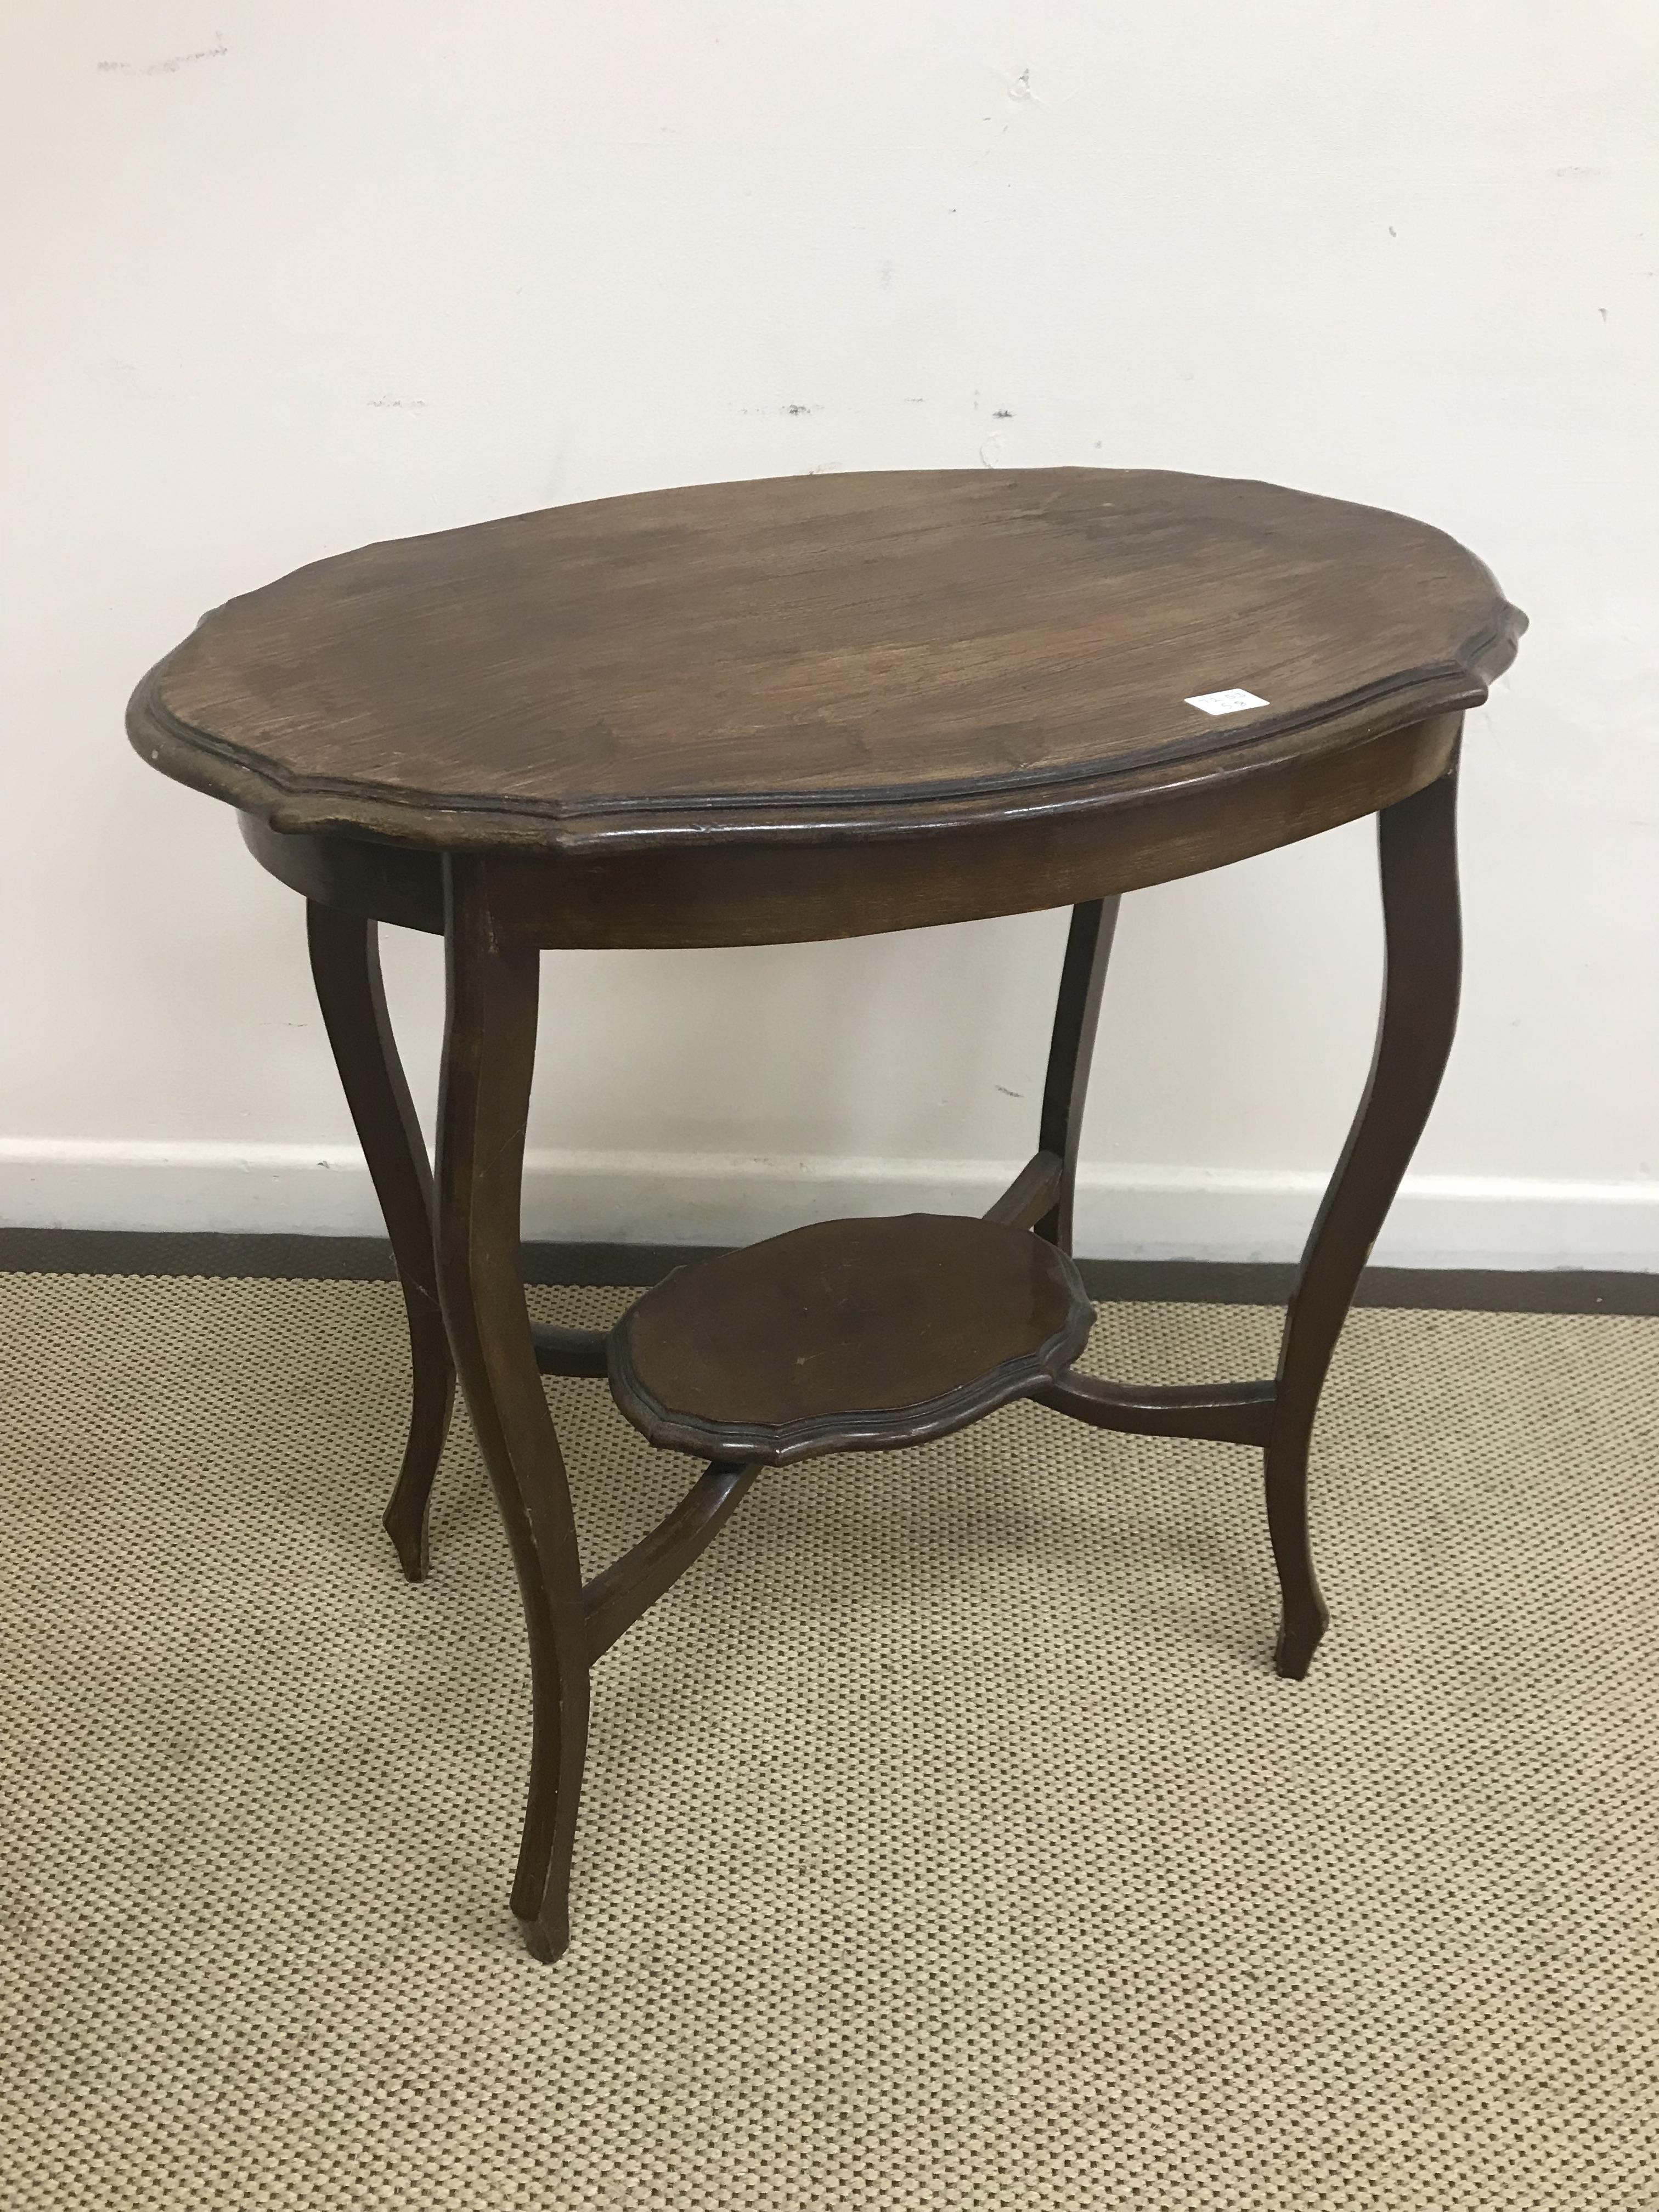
(771,890)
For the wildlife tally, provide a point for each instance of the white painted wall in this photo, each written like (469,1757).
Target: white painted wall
(278,279)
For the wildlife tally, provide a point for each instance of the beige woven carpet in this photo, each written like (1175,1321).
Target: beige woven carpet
(947,1841)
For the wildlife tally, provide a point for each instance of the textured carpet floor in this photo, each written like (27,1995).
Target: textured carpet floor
(947,1840)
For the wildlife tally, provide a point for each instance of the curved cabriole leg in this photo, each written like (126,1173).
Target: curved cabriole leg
(489,1044)
(1418,849)
(1071,1055)
(345,965)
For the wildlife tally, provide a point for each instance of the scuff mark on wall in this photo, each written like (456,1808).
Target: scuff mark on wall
(166,68)
(389,399)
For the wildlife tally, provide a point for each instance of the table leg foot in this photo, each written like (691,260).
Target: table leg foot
(404,1521)
(434,1373)
(549,1937)
(1302,1614)
(1297,1643)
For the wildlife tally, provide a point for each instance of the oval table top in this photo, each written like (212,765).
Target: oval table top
(820,658)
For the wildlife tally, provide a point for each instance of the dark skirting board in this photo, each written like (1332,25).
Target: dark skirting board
(1198,1282)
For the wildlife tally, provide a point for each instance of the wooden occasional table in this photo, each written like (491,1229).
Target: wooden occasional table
(812,708)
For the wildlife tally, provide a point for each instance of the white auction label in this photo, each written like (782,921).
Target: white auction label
(1226,702)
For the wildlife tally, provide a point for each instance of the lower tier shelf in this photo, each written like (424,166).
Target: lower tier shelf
(860,1335)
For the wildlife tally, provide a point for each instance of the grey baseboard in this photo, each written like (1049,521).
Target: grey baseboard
(369,1259)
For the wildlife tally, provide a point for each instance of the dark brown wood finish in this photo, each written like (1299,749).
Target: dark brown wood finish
(847,1336)
(1071,1055)
(489,1044)
(614,1599)
(568,1351)
(815,657)
(345,965)
(815,709)
(1031,1194)
(765,890)
(1219,1412)
(1417,844)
